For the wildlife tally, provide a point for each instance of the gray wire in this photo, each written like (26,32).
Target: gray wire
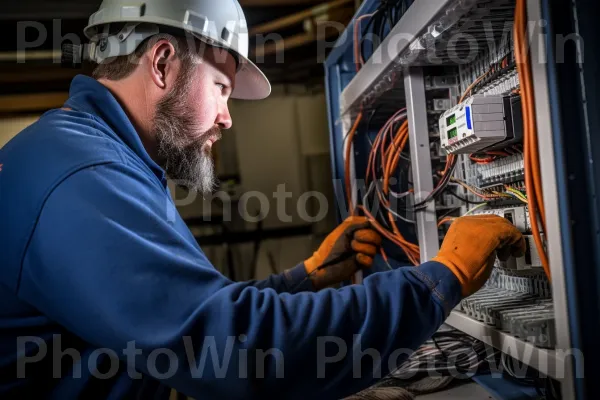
(371,187)
(399,216)
(399,195)
(448,348)
(383,393)
(429,385)
(369,190)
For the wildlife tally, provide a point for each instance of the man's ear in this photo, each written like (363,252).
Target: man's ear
(162,62)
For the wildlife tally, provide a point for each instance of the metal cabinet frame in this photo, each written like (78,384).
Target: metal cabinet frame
(345,89)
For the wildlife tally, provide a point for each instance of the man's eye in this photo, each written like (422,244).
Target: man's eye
(221,86)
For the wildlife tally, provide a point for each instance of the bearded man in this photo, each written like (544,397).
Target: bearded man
(105,295)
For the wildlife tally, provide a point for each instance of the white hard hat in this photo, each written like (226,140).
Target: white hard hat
(219,23)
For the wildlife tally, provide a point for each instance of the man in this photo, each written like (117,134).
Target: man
(92,268)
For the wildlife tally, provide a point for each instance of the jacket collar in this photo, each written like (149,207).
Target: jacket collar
(88,95)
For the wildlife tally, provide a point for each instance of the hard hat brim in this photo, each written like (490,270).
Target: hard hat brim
(250,82)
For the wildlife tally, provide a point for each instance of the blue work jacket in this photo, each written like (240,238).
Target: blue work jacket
(105,293)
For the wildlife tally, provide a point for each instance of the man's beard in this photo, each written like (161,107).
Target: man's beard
(182,149)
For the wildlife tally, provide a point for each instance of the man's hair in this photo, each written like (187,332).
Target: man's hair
(120,67)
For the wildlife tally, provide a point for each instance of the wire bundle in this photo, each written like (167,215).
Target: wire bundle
(447,353)
(516,370)
(446,219)
(447,356)
(493,155)
(386,151)
(516,193)
(530,148)
(446,177)
(472,86)
(479,192)
(348,183)
(496,70)
(383,161)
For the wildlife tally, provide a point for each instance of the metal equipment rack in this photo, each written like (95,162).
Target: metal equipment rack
(395,73)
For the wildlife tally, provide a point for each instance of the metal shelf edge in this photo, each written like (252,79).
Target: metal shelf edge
(417,17)
(547,361)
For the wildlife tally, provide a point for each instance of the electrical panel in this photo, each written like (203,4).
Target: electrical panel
(486,132)
(470,128)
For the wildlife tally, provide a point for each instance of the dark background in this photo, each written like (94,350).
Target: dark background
(67,17)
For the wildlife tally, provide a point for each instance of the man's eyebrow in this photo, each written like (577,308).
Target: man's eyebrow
(228,78)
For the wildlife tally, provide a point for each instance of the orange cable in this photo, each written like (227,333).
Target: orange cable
(497,153)
(481,160)
(396,158)
(532,179)
(530,138)
(472,85)
(445,220)
(390,165)
(347,163)
(358,60)
(388,161)
(393,238)
(470,189)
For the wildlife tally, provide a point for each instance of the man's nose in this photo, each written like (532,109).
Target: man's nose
(224,118)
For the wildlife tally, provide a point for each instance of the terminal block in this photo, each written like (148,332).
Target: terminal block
(523,315)
(530,260)
(517,215)
(505,170)
(530,281)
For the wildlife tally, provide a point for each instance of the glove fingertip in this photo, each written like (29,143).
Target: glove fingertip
(368,236)
(503,253)
(520,248)
(364,248)
(356,219)
(364,260)
(352,229)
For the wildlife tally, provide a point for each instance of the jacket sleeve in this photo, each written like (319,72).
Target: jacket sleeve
(293,280)
(106,264)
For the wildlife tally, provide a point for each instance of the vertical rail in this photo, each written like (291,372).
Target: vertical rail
(550,166)
(420,156)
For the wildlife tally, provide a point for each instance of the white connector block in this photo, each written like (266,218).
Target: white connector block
(518,216)
(501,170)
(531,260)
(473,125)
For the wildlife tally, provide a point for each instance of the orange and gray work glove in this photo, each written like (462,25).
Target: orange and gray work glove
(350,247)
(472,244)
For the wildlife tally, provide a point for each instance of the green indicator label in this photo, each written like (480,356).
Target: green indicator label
(452,133)
(451,119)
